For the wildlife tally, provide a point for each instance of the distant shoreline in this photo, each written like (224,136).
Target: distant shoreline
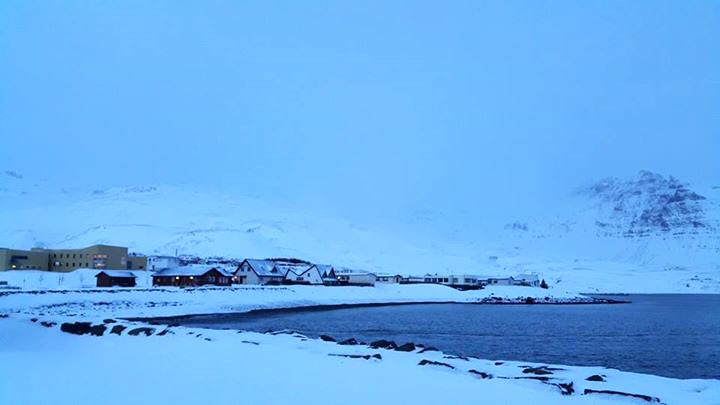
(329,307)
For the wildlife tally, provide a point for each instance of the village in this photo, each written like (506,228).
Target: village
(116,267)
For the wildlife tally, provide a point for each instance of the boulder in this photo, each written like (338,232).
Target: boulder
(348,342)
(76,328)
(145,331)
(383,344)
(109,321)
(596,377)
(97,330)
(429,349)
(407,347)
(48,324)
(327,338)
(117,329)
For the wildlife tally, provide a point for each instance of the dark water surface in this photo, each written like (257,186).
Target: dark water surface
(670,335)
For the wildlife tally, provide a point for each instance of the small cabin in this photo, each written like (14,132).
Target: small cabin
(192,276)
(108,278)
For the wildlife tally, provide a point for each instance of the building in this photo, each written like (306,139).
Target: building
(388,278)
(13,259)
(113,278)
(192,276)
(327,272)
(459,281)
(412,280)
(500,281)
(101,257)
(303,275)
(357,278)
(162,262)
(528,280)
(254,271)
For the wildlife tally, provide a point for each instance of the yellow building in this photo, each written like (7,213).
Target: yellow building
(101,257)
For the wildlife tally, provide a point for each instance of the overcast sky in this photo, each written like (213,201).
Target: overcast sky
(378,105)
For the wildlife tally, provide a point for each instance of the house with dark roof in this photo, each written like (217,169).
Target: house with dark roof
(192,276)
(113,278)
(254,271)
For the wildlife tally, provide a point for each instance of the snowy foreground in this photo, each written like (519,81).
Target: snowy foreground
(39,363)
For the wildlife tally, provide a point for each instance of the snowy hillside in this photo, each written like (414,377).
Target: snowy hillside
(645,234)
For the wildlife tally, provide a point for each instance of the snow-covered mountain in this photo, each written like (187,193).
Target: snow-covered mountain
(647,233)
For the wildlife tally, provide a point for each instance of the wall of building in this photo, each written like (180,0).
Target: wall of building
(13,259)
(102,257)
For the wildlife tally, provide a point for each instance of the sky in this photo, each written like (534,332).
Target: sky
(372,106)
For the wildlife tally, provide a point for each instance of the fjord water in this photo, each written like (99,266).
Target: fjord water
(670,335)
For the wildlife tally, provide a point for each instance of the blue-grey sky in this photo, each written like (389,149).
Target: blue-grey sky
(382,105)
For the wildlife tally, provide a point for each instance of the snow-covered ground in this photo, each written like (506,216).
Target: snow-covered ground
(176,365)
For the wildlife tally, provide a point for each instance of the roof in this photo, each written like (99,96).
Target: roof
(117,274)
(188,271)
(264,268)
(527,277)
(284,268)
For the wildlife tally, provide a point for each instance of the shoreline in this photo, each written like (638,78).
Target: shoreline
(329,307)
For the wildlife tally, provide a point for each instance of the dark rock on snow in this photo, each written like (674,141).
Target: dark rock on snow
(109,321)
(348,342)
(429,349)
(383,344)
(647,398)
(76,328)
(48,324)
(499,363)
(146,331)
(117,329)
(565,388)
(164,332)
(456,358)
(425,362)
(97,330)
(327,338)
(358,356)
(542,370)
(596,377)
(407,347)
(480,374)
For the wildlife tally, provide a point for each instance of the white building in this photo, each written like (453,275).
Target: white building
(162,262)
(500,281)
(388,278)
(357,278)
(301,274)
(531,280)
(253,271)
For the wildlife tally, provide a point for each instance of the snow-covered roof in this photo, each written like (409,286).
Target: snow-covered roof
(284,268)
(188,271)
(264,268)
(527,277)
(117,274)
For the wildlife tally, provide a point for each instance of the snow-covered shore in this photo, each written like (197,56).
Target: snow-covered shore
(181,365)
